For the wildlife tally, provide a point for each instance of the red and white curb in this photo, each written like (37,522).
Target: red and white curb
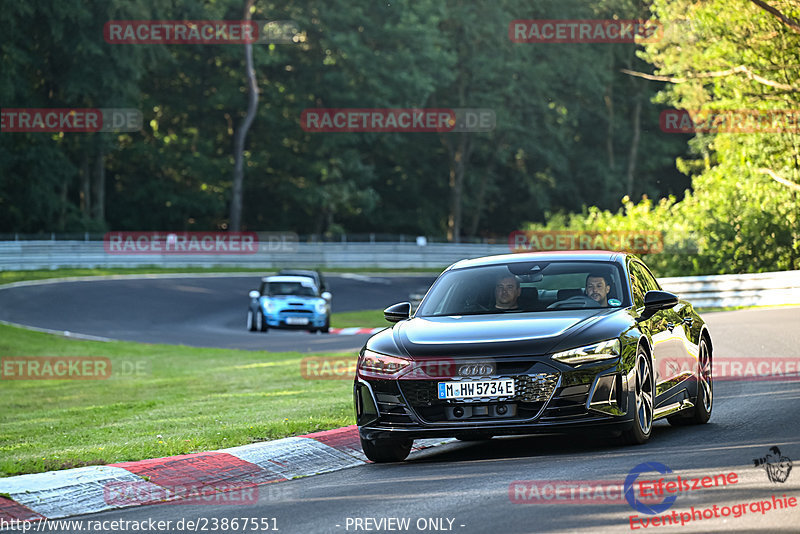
(85,490)
(355,330)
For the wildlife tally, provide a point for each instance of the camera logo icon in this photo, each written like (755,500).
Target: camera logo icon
(777,466)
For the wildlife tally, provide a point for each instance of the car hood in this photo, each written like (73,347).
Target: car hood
(497,334)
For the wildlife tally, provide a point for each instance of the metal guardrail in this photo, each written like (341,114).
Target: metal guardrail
(759,289)
(26,255)
(723,290)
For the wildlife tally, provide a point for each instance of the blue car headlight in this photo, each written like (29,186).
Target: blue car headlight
(269,306)
(321,307)
(603,350)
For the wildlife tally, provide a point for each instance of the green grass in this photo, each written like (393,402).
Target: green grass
(194,399)
(7,277)
(364,319)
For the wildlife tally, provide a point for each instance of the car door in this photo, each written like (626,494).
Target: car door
(667,346)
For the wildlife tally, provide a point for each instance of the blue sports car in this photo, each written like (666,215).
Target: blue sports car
(292,302)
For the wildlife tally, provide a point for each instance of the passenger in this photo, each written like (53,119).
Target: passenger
(597,287)
(506,293)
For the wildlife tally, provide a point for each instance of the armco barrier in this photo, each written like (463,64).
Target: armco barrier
(759,289)
(24,255)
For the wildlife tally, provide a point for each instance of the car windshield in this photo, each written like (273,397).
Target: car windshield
(290,288)
(526,287)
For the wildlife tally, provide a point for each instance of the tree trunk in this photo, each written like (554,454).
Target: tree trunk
(480,199)
(458,161)
(86,186)
(98,206)
(241,131)
(609,100)
(632,155)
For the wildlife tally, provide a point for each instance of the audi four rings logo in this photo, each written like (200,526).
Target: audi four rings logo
(476,369)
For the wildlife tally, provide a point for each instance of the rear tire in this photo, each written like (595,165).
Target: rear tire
(386,450)
(251,321)
(704,402)
(642,426)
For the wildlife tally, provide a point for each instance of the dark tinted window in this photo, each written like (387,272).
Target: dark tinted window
(542,286)
(641,282)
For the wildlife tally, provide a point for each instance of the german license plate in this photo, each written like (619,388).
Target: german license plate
(296,320)
(476,388)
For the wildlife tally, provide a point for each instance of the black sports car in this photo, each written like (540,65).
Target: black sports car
(537,342)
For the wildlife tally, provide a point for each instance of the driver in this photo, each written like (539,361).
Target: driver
(506,293)
(597,287)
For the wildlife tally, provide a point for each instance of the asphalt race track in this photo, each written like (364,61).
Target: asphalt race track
(200,312)
(465,487)
(468,483)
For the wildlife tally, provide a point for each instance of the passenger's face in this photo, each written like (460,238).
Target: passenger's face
(597,290)
(506,292)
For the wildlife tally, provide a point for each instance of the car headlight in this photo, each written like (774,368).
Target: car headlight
(604,350)
(321,307)
(381,365)
(269,306)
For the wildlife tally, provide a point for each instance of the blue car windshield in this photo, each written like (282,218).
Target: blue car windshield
(527,287)
(290,288)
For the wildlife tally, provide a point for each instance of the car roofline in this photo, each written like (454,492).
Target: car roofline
(562,255)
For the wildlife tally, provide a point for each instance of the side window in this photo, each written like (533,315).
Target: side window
(648,278)
(638,287)
(641,282)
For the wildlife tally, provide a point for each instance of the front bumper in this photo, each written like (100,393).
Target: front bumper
(289,320)
(549,398)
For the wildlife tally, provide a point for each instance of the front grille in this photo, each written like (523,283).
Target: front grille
(296,311)
(532,391)
(535,388)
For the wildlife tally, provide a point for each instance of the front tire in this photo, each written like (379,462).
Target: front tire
(386,450)
(262,322)
(704,402)
(644,391)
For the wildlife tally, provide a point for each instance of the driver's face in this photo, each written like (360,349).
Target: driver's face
(506,292)
(597,290)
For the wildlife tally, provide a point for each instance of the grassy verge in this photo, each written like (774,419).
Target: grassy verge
(160,400)
(363,319)
(7,277)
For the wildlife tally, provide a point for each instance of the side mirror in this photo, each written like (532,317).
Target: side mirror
(397,312)
(326,295)
(658,300)
(254,294)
